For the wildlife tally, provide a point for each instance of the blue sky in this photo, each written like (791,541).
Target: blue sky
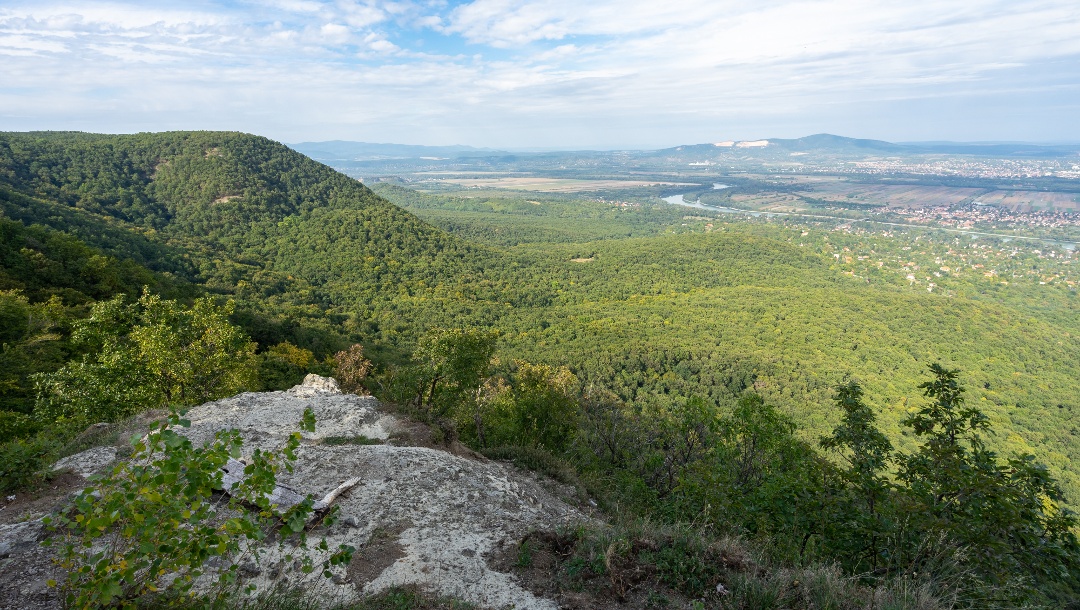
(558,73)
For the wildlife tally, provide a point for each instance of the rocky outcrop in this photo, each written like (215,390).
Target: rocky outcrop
(416,515)
(87,463)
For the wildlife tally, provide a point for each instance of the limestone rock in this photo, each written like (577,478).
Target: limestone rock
(266,418)
(416,515)
(19,537)
(25,567)
(314,384)
(87,463)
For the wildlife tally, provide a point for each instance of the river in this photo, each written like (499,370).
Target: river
(680,200)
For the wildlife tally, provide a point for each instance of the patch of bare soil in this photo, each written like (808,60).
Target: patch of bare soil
(553,566)
(411,433)
(381,551)
(546,565)
(43,499)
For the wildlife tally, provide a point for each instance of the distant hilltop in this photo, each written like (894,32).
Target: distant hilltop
(343,153)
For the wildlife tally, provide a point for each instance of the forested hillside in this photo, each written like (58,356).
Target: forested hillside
(498,306)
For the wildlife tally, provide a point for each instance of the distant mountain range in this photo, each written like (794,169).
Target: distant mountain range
(342,150)
(828,143)
(336,152)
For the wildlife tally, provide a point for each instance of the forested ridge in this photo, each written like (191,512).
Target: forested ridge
(563,319)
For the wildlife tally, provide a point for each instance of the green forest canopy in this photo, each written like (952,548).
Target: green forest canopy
(631,300)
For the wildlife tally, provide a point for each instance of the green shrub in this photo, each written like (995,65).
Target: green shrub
(283,366)
(535,459)
(21,463)
(153,353)
(16,425)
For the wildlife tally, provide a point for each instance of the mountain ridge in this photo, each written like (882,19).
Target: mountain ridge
(353,151)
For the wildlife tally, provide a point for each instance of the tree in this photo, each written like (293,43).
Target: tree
(543,411)
(29,343)
(147,354)
(864,521)
(1008,516)
(351,368)
(452,364)
(283,366)
(773,479)
(611,432)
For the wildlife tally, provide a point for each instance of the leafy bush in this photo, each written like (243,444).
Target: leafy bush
(451,365)
(351,369)
(284,365)
(1008,515)
(536,459)
(152,353)
(21,463)
(29,343)
(150,526)
(533,405)
(16,425)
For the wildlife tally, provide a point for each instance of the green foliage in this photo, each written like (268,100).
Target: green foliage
(151,353)
(451,364)
(642,563)
(43,262)
(284,365)
(1007,515)
(534,407)
(536,459)
(993,531)
(863,515)
(16,425)
(667,321)
(29,343)
(21,463)
(152,523)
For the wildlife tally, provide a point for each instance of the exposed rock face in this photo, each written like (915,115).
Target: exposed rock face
(418,516)
(26,567)
(90,462)
(265,419)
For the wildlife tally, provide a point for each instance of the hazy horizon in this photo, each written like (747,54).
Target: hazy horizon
(554,75)
(673,145)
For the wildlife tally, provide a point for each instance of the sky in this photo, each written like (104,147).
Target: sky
(525,74)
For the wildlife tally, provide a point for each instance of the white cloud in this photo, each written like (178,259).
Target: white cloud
(382,45)
(334,33)
(525,69)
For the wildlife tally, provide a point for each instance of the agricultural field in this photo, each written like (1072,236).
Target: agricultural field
(1032,201)
(554,185)
(769,202)
(892,196)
